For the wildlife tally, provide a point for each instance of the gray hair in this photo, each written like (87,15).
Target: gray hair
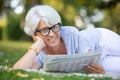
(35,14)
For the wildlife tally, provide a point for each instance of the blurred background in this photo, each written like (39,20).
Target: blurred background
(79,13)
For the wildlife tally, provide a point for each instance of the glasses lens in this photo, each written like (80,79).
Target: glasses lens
(44,31)
(56,28)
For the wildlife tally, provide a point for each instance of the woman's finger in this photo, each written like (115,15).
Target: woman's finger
(97,66)
(34,38)
(90,69)
(94,69)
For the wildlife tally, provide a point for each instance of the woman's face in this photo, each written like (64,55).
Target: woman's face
(52,39)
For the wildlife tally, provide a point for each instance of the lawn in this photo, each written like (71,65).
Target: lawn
(11,51)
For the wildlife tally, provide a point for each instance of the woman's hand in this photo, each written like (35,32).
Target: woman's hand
(95,69)
(38,43)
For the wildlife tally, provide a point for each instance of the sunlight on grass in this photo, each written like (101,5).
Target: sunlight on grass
(3,22)
(15,44)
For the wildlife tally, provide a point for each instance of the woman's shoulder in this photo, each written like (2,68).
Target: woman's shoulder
(68,33)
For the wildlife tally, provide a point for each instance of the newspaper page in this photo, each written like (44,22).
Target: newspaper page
(69,63)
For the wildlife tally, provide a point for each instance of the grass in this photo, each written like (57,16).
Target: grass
(11,51)
(23,75)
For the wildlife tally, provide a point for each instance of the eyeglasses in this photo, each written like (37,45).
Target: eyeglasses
(46,31)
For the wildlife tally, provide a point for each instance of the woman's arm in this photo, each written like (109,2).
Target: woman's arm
(28,60)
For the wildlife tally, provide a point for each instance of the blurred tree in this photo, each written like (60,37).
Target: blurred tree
(1,5)
(112,18)
(13,27)
(90,11)
(4,11)
(31,3)
(70,9)
(8,7)
(4,6)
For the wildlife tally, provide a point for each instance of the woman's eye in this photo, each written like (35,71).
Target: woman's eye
(44,30)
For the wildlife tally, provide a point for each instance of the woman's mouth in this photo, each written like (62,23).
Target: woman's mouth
(53,39)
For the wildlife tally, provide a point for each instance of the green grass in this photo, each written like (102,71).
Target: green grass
(11,51)
(23,75)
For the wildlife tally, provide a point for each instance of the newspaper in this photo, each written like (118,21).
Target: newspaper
(69,63)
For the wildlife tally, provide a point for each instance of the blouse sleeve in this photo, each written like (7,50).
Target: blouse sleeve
(40,58)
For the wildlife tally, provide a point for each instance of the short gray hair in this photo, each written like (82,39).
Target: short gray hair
(47,13)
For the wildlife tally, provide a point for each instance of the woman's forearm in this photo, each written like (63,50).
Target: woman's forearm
(27,61)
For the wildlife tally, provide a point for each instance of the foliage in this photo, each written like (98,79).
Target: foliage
(112,12)
(14,31)
(68,10)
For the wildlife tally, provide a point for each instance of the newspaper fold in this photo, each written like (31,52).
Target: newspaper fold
(69,63)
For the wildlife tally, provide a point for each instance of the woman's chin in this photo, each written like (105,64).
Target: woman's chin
(53,45)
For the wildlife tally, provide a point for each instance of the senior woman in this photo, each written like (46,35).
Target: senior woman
(43,23)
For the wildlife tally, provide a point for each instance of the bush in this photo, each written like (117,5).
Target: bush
(14,32)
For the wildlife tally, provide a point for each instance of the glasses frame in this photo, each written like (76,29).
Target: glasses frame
(50,28)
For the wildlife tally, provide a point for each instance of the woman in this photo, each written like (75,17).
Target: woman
(43,23)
